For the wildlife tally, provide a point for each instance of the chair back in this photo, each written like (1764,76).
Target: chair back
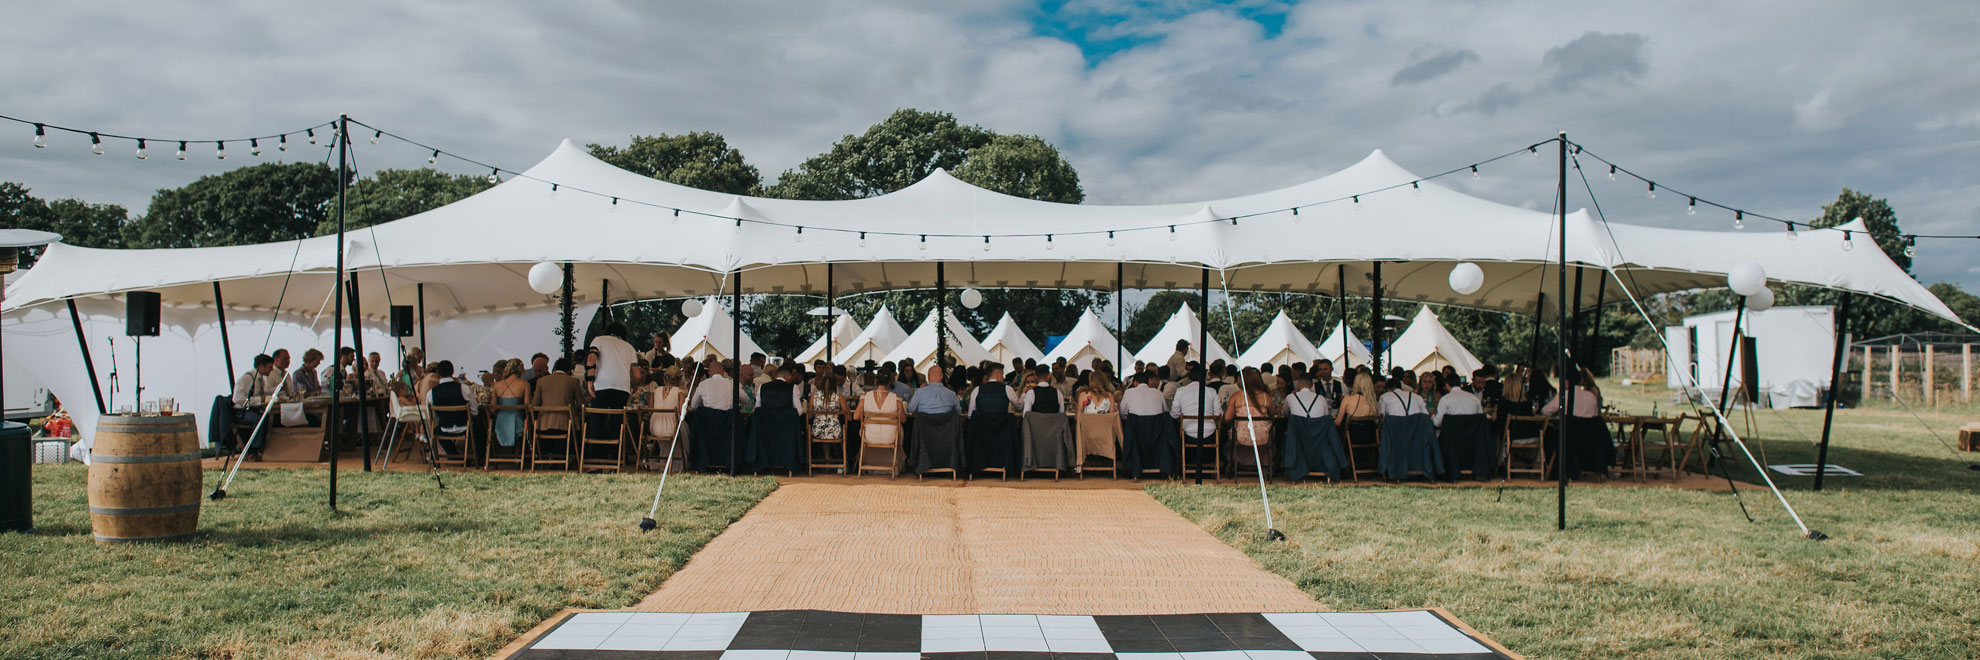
(438,410)
(1352,422)
(1544,421)
(1211,423)
(880,419)
(536,414)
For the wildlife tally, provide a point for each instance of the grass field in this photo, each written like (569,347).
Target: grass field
(1659,573)
(402,570)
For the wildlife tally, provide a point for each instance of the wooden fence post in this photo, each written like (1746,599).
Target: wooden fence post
(1867,355)
(1927,387)
(1896,357)
(1966,373)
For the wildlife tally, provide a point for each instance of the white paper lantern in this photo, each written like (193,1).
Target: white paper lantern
(1747,279)
(971,298)
(691,307)
(1761,301)
(1467,278)
(546,278)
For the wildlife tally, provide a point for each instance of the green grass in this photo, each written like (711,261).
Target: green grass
(1658,573)
(402,570)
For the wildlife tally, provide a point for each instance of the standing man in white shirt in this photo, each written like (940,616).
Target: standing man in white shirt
(612,385)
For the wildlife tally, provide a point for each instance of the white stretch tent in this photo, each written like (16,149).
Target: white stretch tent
(1182,325)
(1007,342)
(472,256)
(1426,345)
(1087,341)
(879,338)
(1345,349)
(1281,345)
(842,333)
(920,345)
(710,333)
(1792,346)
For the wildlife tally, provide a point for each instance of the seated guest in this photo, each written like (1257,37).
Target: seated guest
(1589,448)
(1409,437)
(896,382)
(713,415)
(1430,386)
(1149,441)
(1464,435)
(253,391)
(450,392)
(539,366)
(1313,445)
(995,435)
(776,429)
(937,431)
(306,379)
(1098,396)
(1048,438)
(1196,399)
(557,389)
(1250,411)
(510,390)
(885,438)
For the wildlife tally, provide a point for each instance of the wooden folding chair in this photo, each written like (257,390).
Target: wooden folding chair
(1213,426)
(541,433)
(1084,421)
(1369,443)
(1267,449)
(834,450)
(661,443)
(1704,434)
(616,419)
(463,440)
(1536,445)
(522,438)
(873,420)
(1670,443)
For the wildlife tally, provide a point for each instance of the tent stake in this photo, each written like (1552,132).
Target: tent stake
(1835,388)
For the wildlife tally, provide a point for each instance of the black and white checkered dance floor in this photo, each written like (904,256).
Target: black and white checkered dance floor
(816,635)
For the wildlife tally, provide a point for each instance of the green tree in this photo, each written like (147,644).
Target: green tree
(255,204)
(696,160)
(1876,214)
(1022,166)
(80,223)
(389,195)
(904,148)
(1966,305)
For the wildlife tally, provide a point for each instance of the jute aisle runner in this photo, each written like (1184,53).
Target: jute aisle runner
(974,550)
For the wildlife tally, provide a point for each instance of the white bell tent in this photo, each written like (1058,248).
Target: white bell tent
(1426,345)
(879,338)
(1007,342)
(1281,345)
(710,332)
(842,333)
(1087,341)
(1345,349)
(920,345)
(1183,325)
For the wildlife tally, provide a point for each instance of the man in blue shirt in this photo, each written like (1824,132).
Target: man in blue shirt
(933,398)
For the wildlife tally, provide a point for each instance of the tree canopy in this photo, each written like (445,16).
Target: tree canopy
(389,195)
(697,160)
(255,204)
(80,223)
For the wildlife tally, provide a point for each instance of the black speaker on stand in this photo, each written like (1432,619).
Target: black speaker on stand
(141,312)
(402,320)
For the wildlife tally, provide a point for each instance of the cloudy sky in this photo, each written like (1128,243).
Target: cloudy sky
(1770,105)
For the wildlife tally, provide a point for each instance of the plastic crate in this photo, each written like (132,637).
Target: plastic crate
(51,452)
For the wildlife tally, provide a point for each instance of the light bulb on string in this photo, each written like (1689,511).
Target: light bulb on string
(1048,239)
(1234,225)
(95,144)
(986,244)
(40,137)
(494,175)
(738,226)
(311,132)
(1691,207)
(799,236)
(182,150)
(1910,246)
(1357,202)
(677,217)
(141,155)
(1739,219)
(1848,244)
(1652,194)
(1110,239)
(1416,188)
(1295,212)
(435,158)
(1791,235)
(282,144)
(553,191)
(1172,233)
(924,243)
(862,239)
(1535,150)
(1612,172)
(254,147)
(615,206)
(375,135)
(1474,173)
(220,150)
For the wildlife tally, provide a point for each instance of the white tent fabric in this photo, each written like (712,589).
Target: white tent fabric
(920,346)
(879,338)
(474,254)
(1007,342)
(711,332)
(1182,325)
(1426,345)
(1087,341)
(842,333)
(1345,349)
(1281,345)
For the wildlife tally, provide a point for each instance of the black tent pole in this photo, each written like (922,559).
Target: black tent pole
(358,368)
(1593,339)
(735,379)
(1340,300)
(831,312)
(1539,309)
(1561,334)
(337,316)
(1732,353)
(90,365)
(1835,388)
(419,294)
(226,347)
(1120,322)
(1203,356)
(1375,325)
(941,324)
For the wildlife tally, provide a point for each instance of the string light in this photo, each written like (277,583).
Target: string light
(1791,235)
(1474,173)
(141,155)
(40,137)
(283,144)
(1295,212)
(1739,219)
(615,206)
(1535,150)
(1612,172)
(494,175)
(738,226)
(1416,189)
(1653,191)
(375,135)
(1172,233)
(986,244)
(862,235)
(1910,246)
(312,134)
(1847,244)
(182,150)
(924,243)
(220,150)
(1691,207)
(1357,202)
(553,191)
(1048,238)
(799,236)
(1110,235)
(95,144)
(435,158)
(677,216)
(254,147)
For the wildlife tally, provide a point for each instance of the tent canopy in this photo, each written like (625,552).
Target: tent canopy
(920,346)
(1007,341)
(473,255)
(1185,326)
(879,338)
(1345,349)
(1087,341)
(1428,346)
(1280,345)
(711,332)
(842,333)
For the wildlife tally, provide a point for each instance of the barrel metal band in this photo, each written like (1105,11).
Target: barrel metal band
(143,510)
(141,539)
(170,458)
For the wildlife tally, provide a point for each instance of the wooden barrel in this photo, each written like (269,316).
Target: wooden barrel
(144,479)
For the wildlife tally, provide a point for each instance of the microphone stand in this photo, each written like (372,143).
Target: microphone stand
(113,367)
